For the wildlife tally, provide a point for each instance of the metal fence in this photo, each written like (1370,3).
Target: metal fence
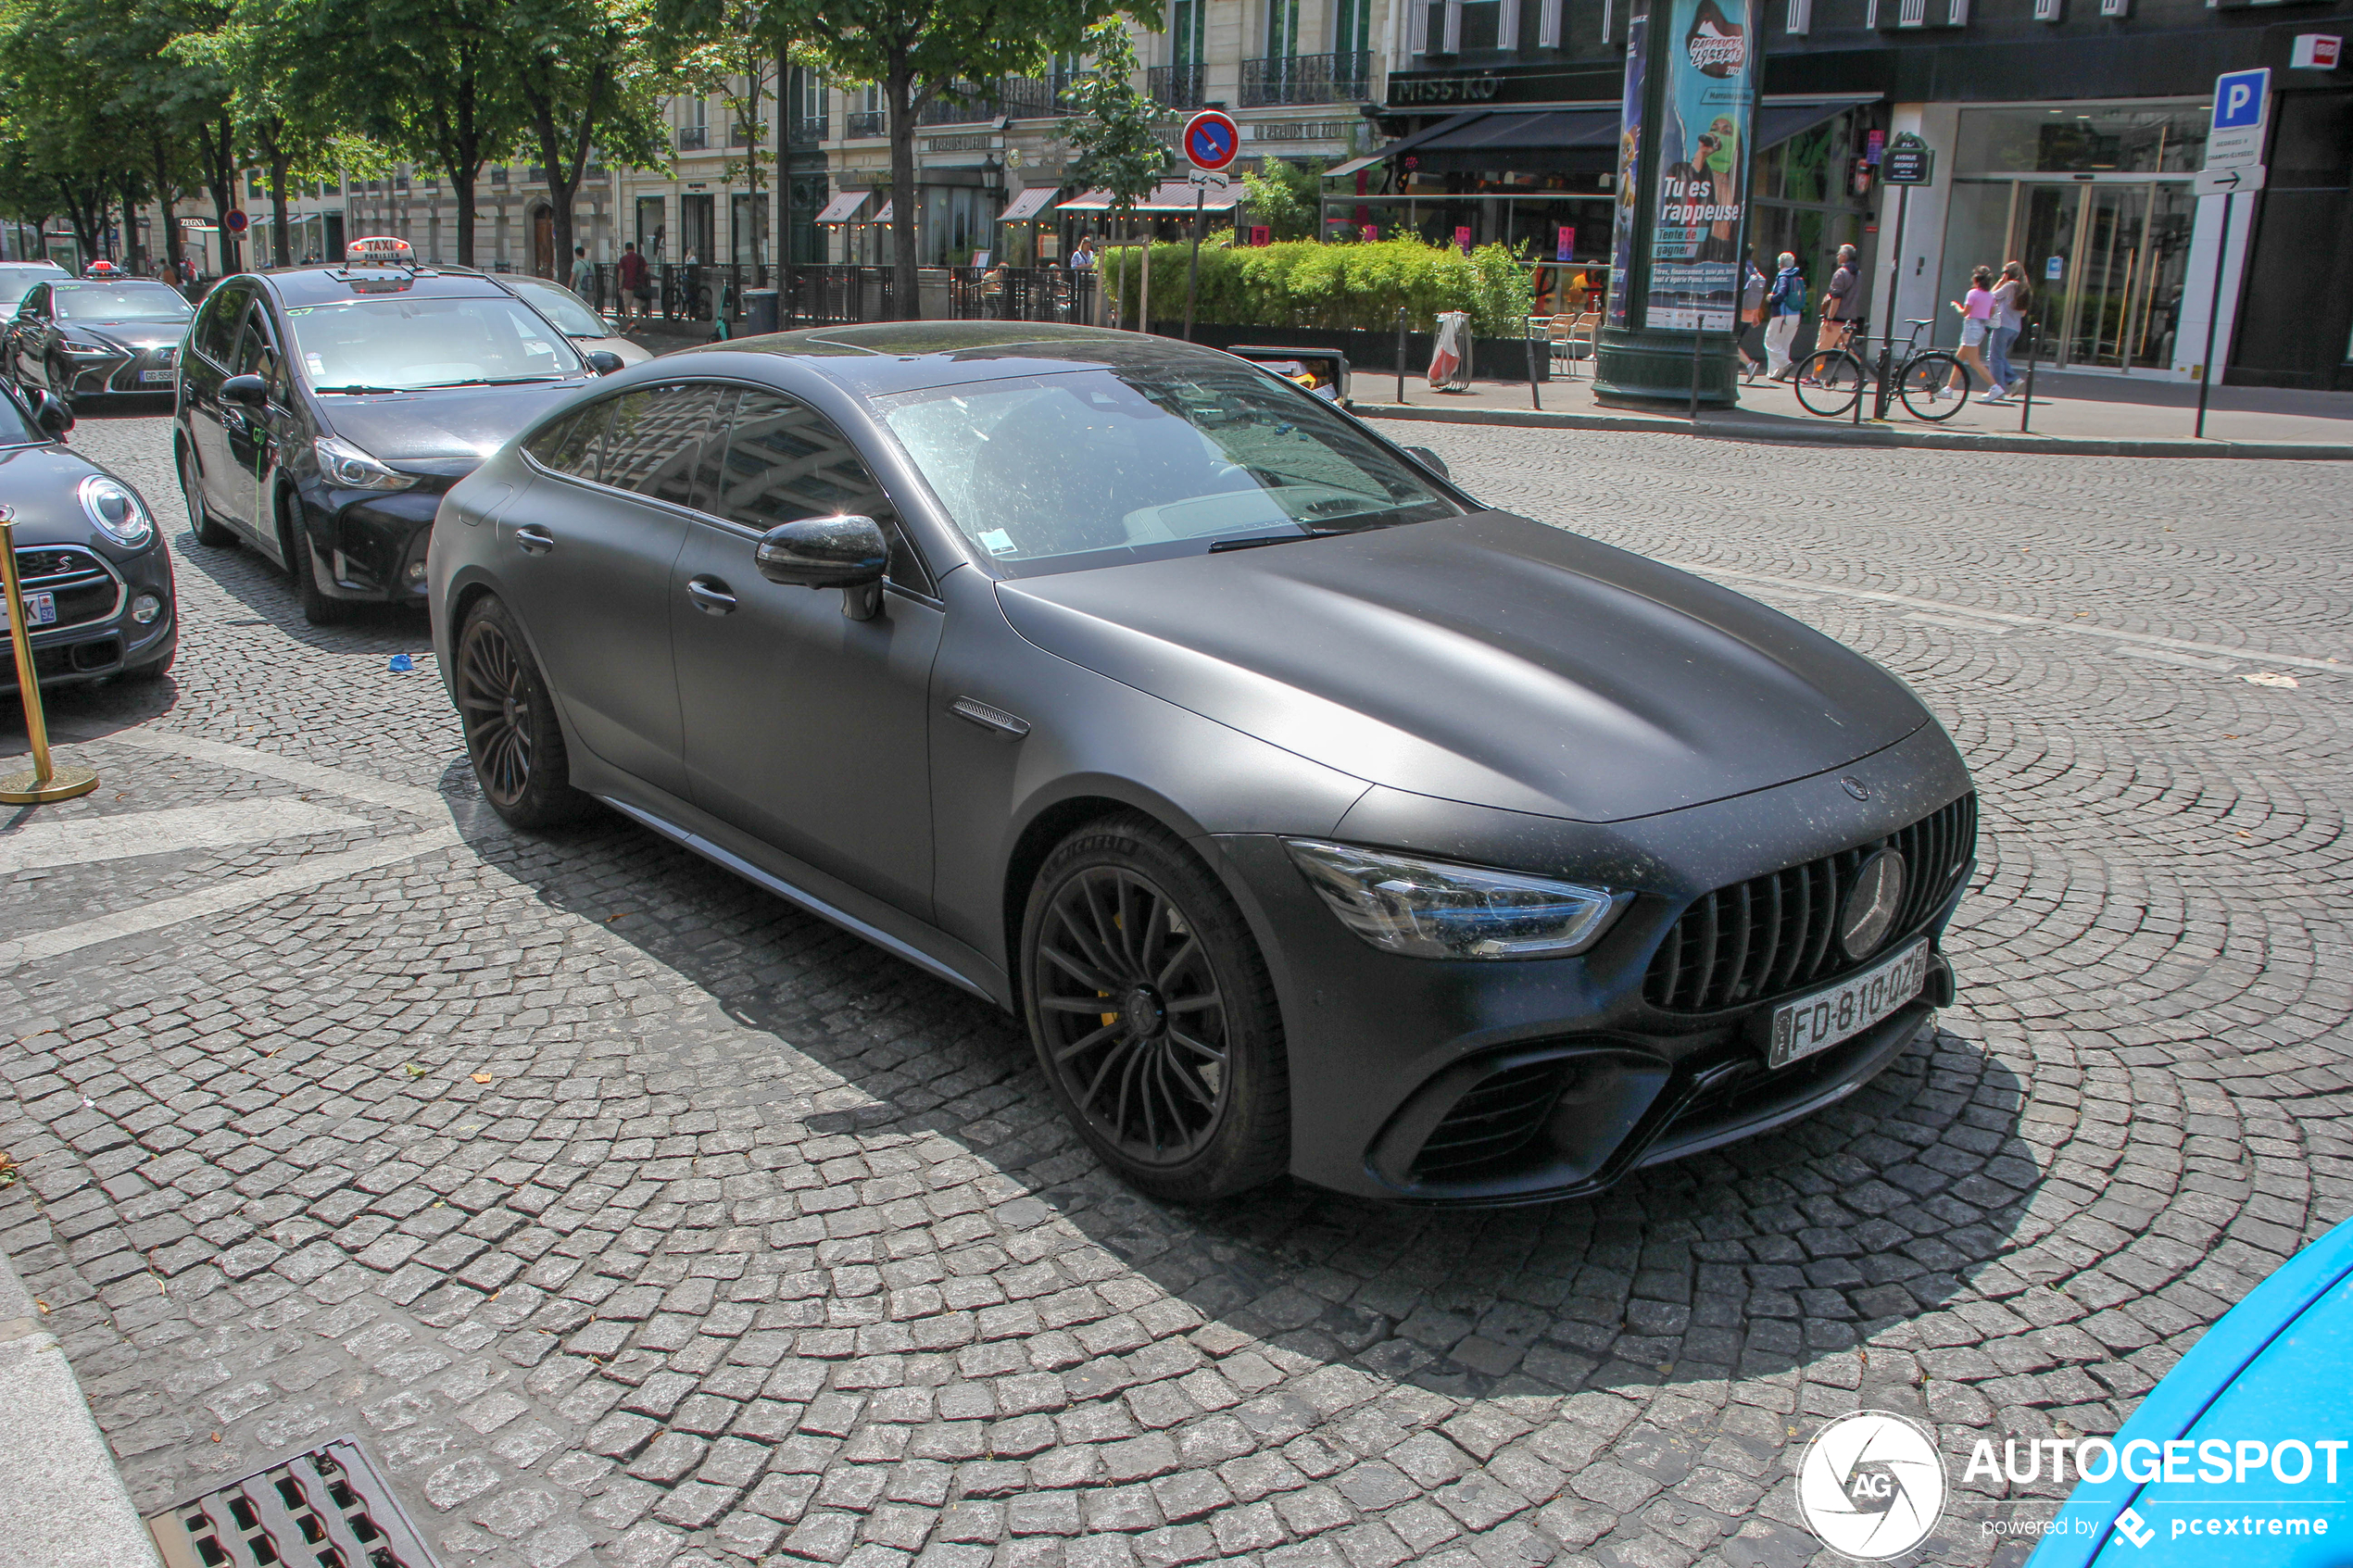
(832,295)
(1020,294)
(676,291)
(1307,79)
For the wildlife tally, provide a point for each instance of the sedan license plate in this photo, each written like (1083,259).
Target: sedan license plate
(152,376)
(1819,1022)
(39,610)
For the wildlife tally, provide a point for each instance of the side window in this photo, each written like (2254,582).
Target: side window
(656,441)
(216,332)
(254,357)
(36,303)
(573,445)
(786,462)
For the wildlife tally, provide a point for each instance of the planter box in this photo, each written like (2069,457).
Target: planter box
(1491,358)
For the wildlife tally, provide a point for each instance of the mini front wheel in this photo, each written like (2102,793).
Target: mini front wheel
(1926,386)
(1828,383)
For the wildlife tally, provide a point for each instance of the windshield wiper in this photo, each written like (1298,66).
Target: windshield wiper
(1253,542)
(492,380)
(355,389)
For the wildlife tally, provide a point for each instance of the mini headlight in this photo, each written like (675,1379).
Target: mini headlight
(1435,909)
(348,467)
(114,510)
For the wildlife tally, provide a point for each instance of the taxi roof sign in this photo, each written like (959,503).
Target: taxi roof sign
(380,250)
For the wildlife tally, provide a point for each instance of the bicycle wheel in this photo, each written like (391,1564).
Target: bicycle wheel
(1829,383)
(1923,376)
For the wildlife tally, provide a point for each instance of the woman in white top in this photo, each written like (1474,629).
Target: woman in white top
(2011,296)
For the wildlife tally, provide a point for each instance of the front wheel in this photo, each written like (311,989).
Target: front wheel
(318,607)
(1925,378)
(1153,1016)
(513,737)
(1828,383)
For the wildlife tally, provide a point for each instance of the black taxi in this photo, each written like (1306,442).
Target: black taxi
(323,411)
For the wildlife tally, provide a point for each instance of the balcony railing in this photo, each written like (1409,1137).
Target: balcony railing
(748,135)
(863,122)
(1308,78)
(962,103)
(1176,87)
(808,128)
(691,137)
(1035,97)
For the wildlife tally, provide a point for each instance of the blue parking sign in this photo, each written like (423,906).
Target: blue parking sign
(2239,98)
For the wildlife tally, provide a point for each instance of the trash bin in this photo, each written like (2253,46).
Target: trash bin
(760,312)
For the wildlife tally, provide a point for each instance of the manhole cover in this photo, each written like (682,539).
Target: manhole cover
(325,1509)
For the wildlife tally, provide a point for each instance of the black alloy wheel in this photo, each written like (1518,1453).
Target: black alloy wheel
(1153,1016)
(212,534)
(513,735)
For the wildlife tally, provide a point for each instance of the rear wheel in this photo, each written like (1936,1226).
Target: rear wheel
(1153,1016)
(513,735)
(1829,383)
(208,532)
(1924,377)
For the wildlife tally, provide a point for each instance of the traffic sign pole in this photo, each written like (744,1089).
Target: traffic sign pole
(2233,163)
(2213,316)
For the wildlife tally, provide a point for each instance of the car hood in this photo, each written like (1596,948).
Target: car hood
(128,334)
(1488,659)
(39,484)
(430,430)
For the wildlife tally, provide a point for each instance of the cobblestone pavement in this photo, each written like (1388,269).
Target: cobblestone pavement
(630,1217)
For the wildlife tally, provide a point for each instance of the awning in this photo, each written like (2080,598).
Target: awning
(1777,122)
(884,216)
(1027,205)
(843,207)
(1575,126)
(1174,196)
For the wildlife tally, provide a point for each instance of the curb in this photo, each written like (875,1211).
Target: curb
(1833,433)
(62,1501)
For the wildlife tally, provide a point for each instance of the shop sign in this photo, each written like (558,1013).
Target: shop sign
(2317,51)
(1463,238)
(1445,89)
(1709,54)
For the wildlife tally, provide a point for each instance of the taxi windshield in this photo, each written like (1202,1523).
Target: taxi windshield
(119,302)
(405,345)
(561,305)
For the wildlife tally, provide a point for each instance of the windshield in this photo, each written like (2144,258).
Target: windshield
(1056,472)
(562,307)
(120,302)
(403,344)
(17,282)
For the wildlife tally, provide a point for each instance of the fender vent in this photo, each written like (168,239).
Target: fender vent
(325,1509)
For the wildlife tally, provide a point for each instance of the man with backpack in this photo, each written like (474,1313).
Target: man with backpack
(1784,309)
(634,286)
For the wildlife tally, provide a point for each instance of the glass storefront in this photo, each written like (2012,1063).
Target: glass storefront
(2095,200)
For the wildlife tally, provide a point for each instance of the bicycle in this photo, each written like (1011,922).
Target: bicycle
(1830,381)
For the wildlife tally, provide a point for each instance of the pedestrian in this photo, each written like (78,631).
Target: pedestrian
(634,290)
(1841,303)
(583,273)
(1083,259)
(1784,309)
(1977,320)
(2012,297)
(1752,317)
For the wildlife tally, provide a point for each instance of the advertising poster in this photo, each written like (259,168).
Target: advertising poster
(1630,164)
(1708,51)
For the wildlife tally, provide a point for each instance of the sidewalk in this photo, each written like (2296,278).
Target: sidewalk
(2109,416)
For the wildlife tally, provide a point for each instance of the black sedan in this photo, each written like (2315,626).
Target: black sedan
(95,573)
(82,339)
(1315,817)
(324,410)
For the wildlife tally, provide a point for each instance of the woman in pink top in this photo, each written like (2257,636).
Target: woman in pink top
(1977,320)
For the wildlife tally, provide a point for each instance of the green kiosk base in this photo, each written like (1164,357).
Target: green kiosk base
(1653,370)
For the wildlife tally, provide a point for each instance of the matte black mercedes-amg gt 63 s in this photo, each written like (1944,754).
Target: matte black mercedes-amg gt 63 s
(1315,817)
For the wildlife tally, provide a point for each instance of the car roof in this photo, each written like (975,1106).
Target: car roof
(878,358)
(326,286)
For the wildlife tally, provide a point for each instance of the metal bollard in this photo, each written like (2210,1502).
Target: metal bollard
(1527,336)
(46,782)
(1401,354)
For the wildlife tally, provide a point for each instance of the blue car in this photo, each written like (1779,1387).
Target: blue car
(2243,1453)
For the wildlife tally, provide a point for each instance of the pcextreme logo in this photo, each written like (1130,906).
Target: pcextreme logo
(1871,1484)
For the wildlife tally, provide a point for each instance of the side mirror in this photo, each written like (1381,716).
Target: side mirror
(250,391)
(1429,459)
(848,553)
(604,361)
(50,412)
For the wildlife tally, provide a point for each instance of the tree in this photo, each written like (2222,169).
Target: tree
(733,64)
(590,82)
(1117,131)
(1285,197)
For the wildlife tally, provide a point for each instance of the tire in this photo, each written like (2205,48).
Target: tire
(513,737)
(1921,377)
(210,534)
(154,671)
(318,608)
(1125,933)
(1829,383)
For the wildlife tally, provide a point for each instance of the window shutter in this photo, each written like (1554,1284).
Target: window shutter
(1548,24)
(2049,10)
(1416,27)
(1801,17)
(2116,8)
(1956,13)
(1507,24)
(1454,44)
(1912,13)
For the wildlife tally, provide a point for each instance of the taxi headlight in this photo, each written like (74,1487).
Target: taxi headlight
(1437,910)
(348,467)
(75,345)
(114,510)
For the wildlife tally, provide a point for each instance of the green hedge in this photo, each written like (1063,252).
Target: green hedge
(1303,284)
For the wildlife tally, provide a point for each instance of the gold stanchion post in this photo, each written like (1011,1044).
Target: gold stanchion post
(47,782)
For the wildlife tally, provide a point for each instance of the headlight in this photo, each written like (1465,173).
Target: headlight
(74,346)
(349,467)
(1434,910)
(115,511)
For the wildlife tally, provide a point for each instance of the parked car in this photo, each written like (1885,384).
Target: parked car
(83,338)
(94,567)
(17,279)
(590,333)
(1315,817)
(324,410)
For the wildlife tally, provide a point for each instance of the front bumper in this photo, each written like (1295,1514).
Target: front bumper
(119,373)
(373,543)
(93,646)
(1500,1083)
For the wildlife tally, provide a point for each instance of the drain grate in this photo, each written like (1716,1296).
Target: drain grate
(325,1509)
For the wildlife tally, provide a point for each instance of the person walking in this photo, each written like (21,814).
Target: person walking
(634,290)
(1752,317)
(2012,295)
(1977,320)
(1785,309)
(1083,259)
(1842,304)
(583,274)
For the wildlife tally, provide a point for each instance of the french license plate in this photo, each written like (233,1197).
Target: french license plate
(39,610)
(152,376)
(1819,1022)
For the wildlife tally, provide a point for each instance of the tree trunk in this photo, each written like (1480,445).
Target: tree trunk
(130,219)
(784,194)
(220,174)
(900,89)
(564,165)
(280,245)
(165,192)
(751,159)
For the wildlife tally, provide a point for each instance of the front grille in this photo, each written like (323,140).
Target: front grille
(1774,932)
(1493,1122)
(85,589)
(326,1509)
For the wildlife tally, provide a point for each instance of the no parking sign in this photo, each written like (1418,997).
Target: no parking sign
(1212,139)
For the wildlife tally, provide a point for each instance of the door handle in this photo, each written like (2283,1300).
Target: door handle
(534,541)
(711,596)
